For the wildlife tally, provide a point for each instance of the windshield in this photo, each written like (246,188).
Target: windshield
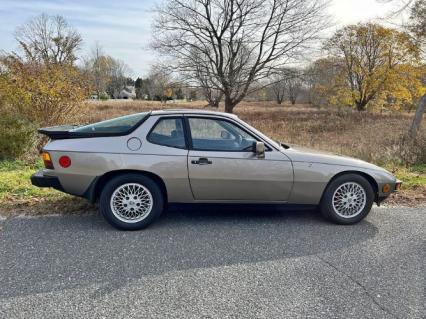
(274,143)
(121,124)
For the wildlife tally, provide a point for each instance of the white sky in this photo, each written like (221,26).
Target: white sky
(123,27)
(353,11)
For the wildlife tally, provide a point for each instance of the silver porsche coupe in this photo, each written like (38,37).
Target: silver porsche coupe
(135,165)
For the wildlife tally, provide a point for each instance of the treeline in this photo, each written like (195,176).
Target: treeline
(162,85)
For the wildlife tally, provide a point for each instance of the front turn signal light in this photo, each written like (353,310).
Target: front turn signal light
(386,188)
(47,160)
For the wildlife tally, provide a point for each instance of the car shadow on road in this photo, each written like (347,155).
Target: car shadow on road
(44,254)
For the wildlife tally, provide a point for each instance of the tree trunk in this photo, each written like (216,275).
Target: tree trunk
(229,105)
(360,106)
(415,126)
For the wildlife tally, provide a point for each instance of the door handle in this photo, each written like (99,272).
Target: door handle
(202,161)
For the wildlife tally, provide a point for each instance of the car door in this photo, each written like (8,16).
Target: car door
(223,167)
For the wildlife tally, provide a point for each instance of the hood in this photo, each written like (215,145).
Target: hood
(302,154)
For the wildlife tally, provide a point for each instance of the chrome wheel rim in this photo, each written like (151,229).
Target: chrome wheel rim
(349,200)
(131,202)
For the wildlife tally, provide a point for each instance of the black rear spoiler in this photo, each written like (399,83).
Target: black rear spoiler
(59,132)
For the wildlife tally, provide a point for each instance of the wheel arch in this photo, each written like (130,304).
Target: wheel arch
(368,177)
(95,189)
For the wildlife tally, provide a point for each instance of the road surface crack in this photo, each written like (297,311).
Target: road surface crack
(360,285)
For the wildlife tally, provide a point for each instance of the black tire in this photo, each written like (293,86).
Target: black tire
(326,205)
(113,184)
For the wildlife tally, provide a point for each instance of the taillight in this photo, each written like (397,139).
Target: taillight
(47,160)
(65,161)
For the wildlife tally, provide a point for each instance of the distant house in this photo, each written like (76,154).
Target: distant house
(128,92)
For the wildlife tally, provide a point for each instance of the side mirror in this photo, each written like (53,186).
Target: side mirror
(260,149)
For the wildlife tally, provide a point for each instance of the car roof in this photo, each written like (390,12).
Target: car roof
(192,112)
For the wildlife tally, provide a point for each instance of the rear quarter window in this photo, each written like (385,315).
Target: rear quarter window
(168,132)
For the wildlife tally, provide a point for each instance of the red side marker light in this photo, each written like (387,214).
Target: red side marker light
(64,161)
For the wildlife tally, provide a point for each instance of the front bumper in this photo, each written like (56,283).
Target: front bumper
(40,180)
(395,187)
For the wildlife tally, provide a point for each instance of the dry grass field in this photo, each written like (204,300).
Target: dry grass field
(372,137)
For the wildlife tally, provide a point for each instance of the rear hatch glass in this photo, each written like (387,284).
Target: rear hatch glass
(115,127)
(118,125)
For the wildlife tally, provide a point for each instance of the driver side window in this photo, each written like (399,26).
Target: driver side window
(219,135)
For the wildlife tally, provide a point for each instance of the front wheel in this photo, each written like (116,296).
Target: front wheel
(347,199)
(131,201)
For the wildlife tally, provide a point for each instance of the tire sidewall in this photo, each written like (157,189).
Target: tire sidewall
(113,184)
(326,205)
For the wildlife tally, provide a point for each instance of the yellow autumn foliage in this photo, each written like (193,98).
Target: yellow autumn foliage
(44,95)
(168,92)
(379,67)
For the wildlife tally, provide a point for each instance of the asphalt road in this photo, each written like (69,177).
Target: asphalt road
(240,262)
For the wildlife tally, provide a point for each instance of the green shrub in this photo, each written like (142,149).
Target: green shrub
(103,97)
(17,136)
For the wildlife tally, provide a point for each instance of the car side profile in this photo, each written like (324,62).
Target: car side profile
(136,164)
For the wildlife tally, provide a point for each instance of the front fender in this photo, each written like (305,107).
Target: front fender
(311,180)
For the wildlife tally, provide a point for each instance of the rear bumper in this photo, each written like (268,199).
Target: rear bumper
(40,180)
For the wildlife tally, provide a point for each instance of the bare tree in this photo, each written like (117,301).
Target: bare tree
(417,23)
(203,79)
(293,84)
(160,83)
(97,66)
(238,42)
(277,85)
(49,39)
(310,80)
(212,94)
(286,83)
(118,71)
(107,74)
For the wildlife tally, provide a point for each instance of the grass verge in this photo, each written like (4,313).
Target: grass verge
(413,191)
(18,196)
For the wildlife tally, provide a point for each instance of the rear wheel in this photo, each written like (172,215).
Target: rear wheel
(347,199)
(131,201)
